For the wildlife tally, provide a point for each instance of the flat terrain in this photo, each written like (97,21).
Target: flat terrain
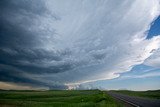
(73,98)
(136,101)
(153,94)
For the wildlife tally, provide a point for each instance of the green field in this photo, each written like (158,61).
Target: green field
(154,94)
(66,98)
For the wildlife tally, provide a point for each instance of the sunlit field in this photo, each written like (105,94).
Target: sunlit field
(56,98)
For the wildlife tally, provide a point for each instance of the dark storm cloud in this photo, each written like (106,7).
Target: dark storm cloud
(17,43)
(16,17)
(12,74)
(16,75)
(32,60)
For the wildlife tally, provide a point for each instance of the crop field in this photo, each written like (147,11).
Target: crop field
(57,98)
(154,94)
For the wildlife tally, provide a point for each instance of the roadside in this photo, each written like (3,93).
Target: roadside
(133,101)
(153,94)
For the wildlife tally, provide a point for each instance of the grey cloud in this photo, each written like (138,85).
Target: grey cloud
(153,60)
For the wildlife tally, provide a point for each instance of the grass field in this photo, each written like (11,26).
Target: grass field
(73,98)
(154,94)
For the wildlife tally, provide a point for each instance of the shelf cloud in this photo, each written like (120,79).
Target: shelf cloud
(59,43)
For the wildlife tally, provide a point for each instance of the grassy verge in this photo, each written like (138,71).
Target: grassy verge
(73,98)
(154,94)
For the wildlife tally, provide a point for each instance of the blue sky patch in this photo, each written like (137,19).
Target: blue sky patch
(155,29)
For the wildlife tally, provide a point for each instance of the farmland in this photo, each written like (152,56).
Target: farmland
(57,98)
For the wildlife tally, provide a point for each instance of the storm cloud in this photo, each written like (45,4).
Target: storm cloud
(59,43)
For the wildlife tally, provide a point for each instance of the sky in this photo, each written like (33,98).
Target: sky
(80,44)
